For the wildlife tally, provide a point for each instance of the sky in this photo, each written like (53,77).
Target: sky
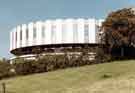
(15,12)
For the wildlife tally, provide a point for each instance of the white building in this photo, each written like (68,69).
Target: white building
(53,32)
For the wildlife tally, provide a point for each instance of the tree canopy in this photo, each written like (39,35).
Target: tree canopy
(119,28)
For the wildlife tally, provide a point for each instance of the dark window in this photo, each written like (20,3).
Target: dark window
(16,39)
(53,33)
(16,36)
(21,35)
(86,33)
(27,34)
(43,31)
(75,33)
(34,32)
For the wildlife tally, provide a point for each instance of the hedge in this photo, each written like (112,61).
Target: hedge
(49,63)
(5,69)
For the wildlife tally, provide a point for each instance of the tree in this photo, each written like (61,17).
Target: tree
(119,29)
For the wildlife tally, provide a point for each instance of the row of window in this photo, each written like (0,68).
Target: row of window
(53,33)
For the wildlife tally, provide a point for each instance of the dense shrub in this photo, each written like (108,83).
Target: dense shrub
(49,63)
(87,56)
(23,68)
(102,56)
(5,69)
(119,33)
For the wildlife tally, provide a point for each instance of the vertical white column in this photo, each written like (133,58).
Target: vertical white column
(24,27)
(30,31)
(63,31)
(92,30)
(69,31)
(75,31)
(18,36)
(14,38)
(48,32)
(80,30)
(43,32)
(11,40)
(38,33)
(58,31)
(53,32)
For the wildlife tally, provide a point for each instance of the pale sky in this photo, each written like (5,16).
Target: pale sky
(14,12)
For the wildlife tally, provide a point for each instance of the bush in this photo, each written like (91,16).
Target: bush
(106,76)
(5,69)
(46,63)
(23,68)
(51,62)
(102,56)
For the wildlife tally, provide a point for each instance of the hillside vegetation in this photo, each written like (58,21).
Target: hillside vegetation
(114,77)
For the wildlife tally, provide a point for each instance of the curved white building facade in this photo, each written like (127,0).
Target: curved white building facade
(51,32)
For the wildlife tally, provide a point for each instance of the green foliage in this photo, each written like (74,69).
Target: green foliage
(119,27)
(5,69)
(102,56)
(119,32)
(24,67)
(50,62)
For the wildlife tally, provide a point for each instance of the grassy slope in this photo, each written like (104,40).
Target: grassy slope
(87,79)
